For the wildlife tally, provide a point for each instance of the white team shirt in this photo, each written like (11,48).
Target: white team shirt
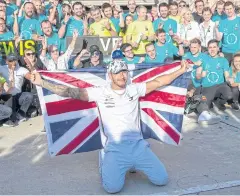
(120,114)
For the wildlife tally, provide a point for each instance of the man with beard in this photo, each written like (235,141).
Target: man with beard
(27,26)
(118,104)
(75,22)
(164,22)
(52,38)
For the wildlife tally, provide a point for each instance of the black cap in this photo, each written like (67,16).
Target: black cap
(93,49)
(12,57)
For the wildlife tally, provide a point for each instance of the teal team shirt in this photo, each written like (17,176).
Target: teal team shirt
(156,60)
(11,8)
(135,60)
(115,22)
(9,23)
(7,36)
(135,16)
(167,26)
(215,68)
(55,40)
(168,50)
(29,27)
(216,17)
(74,24)
(237,75)
(231,35)
(200,57)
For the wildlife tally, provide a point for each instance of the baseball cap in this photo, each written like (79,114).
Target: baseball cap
(93,49)
(12,57)
(117,66)
(117,54)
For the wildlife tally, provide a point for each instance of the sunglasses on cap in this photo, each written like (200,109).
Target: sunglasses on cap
(96,53)
(30,54)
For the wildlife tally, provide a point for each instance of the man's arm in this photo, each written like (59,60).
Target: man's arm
(61,90)
(166,79)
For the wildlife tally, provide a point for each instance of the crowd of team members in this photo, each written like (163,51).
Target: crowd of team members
(208,35)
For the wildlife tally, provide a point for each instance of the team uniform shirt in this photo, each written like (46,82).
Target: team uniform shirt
(7,36)
(116,22)
(157,59)
(19,76)
(136,29)
(73,24)
(135,60)
(41,18)
(168,25)
(28,27)
(98,28)
(189,31)
(217,18)
(168,50)
(120,114)
(176,18)
(215,68)
(55,40)
(200,57)
(231,35)
(9,23)
(135,16)
(235,76)
(11,8)
(207,34)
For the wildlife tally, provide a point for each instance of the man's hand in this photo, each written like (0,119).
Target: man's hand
(107,25)
(198,63)
(83,53)
(144,37)
(184,65)
(160,26)
(36,79)
(135,45)
(44,44)
(75,35)
(66,18)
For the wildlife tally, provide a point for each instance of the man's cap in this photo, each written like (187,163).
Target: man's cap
(117,66)
(117,54)
(11,57)
(93,49)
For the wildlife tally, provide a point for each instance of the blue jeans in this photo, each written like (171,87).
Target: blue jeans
(116,159)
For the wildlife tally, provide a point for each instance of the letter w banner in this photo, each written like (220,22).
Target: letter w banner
(73,126)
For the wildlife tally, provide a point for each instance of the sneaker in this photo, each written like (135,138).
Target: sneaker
(9,123)
(21,118)
(235,106)
(206,118)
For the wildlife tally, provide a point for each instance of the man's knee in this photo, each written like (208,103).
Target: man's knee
(112,187)
(161,179)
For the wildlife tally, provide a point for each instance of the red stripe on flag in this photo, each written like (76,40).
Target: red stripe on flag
(68,105)
(156,71)
(165,98)
(67,79)
(79,138)
(161,123)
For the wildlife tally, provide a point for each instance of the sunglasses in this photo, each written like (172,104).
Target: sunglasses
(96,54)
(31,54)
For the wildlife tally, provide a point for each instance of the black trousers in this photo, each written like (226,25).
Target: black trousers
(235,94)
(221,92)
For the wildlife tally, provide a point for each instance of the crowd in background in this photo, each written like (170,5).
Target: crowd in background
(205,32)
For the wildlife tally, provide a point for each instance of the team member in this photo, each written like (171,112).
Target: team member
(229,32)
(164,22)
(102,26)
(165,49)
(129,56)
(233,78)
(213,82)
(198,15)
(140,32)
(118,104)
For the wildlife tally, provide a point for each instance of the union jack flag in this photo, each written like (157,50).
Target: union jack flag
(73,126)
